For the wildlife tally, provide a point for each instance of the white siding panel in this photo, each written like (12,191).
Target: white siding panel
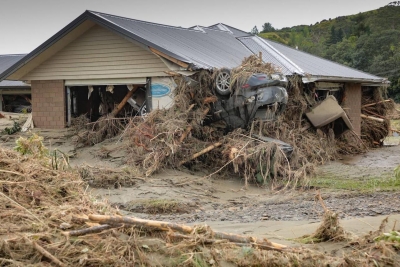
(99,53)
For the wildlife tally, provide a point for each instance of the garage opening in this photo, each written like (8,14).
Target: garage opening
(16,103)
(99,100)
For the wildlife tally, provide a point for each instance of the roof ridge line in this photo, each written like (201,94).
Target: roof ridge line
(142,21)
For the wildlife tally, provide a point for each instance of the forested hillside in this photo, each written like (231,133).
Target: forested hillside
(368,41)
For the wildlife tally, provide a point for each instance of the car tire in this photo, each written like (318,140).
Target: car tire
(222,82)
(143,110)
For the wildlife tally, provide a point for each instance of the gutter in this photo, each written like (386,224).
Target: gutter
(365,82)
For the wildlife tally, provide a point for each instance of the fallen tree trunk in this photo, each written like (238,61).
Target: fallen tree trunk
(167,226)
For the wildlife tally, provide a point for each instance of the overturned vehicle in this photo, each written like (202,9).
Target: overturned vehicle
(261,96)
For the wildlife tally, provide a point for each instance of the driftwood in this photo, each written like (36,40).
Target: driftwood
(45,253)
(185,134)
(91,230)
(374,114)
(123,102)
(198,154)
(373,104)
(112,220)
(372,118)
(167,226)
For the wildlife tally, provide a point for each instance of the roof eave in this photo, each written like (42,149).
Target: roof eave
(365,82)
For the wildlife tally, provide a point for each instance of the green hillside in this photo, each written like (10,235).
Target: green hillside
(368,41)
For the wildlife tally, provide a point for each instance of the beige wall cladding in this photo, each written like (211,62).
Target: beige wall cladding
(352,104)
(99,53)
(48,104)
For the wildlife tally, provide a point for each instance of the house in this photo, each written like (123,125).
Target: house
(99,53)
(12,91)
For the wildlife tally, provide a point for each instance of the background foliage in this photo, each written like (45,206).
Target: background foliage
(368,41)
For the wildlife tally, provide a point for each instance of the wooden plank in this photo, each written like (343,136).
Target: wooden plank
(176,61)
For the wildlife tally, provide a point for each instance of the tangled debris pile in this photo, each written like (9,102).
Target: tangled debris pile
(188,130)
(194,133)
(375,124)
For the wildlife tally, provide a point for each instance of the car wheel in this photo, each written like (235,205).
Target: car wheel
(223,82)
(143,110)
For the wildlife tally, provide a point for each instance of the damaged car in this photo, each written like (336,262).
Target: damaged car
(261,96)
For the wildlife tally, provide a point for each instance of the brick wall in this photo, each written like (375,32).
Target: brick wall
(48,104)
(352,104)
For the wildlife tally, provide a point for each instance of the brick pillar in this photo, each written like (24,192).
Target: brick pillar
(48,104)
(352,104)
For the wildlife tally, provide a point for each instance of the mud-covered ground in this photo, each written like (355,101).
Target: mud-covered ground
(227,200)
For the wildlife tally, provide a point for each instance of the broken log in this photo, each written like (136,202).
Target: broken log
(167,226)
(123,102)
(45,253)
(266,244)
(374,114)
(91,230)
(373,104)
(198,154)
(372,118)
(104,219)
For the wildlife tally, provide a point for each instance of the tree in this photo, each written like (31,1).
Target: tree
(254,30)
(267,27)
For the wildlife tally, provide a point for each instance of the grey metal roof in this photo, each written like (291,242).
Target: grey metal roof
(271,55)
(211,47)
(292,61)
(203,47)
(6,61)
